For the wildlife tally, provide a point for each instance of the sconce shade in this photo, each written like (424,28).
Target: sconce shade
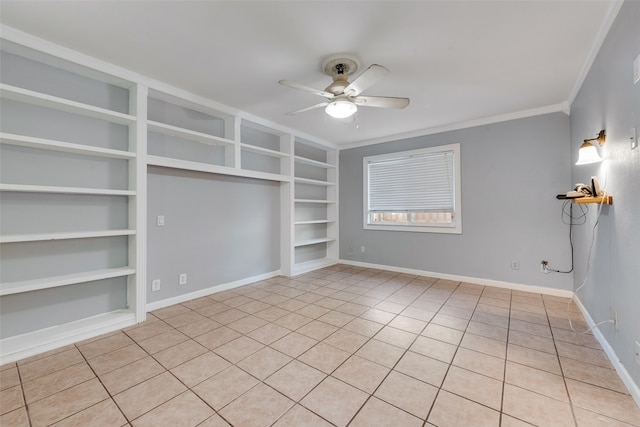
(588,154)
(341,109)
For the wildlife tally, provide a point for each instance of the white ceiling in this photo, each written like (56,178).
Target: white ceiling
(458,61)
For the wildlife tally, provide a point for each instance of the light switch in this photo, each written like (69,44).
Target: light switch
(636,70)
(160,220)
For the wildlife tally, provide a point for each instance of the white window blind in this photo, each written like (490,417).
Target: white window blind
(422,182)
(417,190)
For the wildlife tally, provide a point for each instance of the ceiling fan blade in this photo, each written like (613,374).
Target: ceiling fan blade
(302,110)
(381,101)
(369,77)
(306,88)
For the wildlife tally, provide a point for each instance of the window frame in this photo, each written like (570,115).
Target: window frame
(454,228)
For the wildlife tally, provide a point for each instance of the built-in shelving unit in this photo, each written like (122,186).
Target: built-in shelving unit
(70,183)
(77,138)
(315,213)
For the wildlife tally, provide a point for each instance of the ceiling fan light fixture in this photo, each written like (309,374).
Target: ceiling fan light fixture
(341,109)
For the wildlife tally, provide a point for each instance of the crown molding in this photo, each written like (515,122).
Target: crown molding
(555,108)
(607,23)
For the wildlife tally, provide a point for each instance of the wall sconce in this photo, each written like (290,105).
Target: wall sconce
(588,152)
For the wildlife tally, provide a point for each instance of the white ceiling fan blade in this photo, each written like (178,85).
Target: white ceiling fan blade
(302,110)
(381,101)
(306,88)
(369,77)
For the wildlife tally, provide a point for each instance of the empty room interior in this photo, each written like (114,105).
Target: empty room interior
(320,213)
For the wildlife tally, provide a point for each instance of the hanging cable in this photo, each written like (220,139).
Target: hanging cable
(581,218)
(586,277)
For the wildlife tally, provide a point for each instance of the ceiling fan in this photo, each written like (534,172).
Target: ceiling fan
(342,97)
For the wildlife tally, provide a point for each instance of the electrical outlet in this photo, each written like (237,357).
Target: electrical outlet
(544,267)
(634,139)
(614,317)
(183,279)
(515,264)
(637,352)
(362,249)
(155,285)
(160,220)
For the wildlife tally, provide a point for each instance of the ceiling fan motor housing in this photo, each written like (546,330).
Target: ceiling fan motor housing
(339,67)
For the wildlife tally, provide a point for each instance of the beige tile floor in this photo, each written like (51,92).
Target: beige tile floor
(339,346)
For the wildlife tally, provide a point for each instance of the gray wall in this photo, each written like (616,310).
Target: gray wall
(511,172)
(609,100)
(218,229)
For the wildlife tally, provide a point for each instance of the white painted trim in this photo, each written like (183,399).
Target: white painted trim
(633,388)
(314,264)
(42,340)
(460,125)
(167,162)
(208,291)
(607,23)
(477,280)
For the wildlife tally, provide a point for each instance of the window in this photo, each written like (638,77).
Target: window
(416,190)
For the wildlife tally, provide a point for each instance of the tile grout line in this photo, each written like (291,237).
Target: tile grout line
(564,379)
(506,356)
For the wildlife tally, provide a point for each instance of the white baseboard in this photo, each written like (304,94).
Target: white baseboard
(476,280)
(208,291)
(316,264)
(633,388)
(42,340)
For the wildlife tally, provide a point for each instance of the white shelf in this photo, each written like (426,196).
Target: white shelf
(25,345)
(205,167)
(313,182)
(314,241)
(314,264)
(22,188)
(315,221)
(263,151)
(314,201)
(49,144)
(190,135)
(9,288)
(304,160)
(36,237)
(43,100)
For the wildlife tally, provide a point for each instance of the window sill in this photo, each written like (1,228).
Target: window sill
(454,229)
